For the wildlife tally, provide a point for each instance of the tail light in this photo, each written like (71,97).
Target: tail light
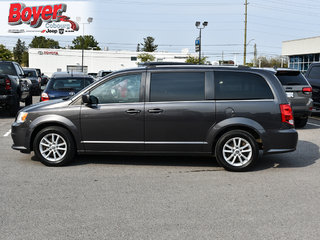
(286,114)
(307,90)
(39,79)
(8,84)
(44,97)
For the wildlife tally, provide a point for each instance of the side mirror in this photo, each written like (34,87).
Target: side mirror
(86,98)
(92,100)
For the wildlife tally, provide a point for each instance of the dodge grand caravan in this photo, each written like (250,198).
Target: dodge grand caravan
(231,113)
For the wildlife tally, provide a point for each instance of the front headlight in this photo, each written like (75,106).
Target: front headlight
(22,117)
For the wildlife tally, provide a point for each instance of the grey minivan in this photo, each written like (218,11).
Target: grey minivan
(231,113)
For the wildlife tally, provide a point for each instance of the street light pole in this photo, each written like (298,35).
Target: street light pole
(204,24)
(89,20)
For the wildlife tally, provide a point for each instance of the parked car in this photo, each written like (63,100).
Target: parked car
(14,87)
(299,94)
(94,75)
(44,80)
(35,78)
(313,77)
(63,85)
(102,74)
(231,113)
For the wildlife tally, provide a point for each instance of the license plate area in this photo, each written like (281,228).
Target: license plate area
(289,94)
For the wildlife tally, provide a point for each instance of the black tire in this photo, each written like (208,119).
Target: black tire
(28,100)
(241,158)
(300,122)
(14,108)
(65,140)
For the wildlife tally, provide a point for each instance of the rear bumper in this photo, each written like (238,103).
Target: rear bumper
(281,141)
(6,100)
(302,111)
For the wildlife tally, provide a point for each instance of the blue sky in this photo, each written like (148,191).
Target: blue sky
(121,24)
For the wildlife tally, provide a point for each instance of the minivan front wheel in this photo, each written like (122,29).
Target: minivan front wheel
(54,146)
(237,150)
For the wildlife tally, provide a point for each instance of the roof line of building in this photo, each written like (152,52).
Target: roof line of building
(300,39)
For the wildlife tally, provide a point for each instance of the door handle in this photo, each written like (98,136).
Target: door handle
(156,110)
(133,111)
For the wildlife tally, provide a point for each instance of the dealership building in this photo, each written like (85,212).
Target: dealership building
(302,52)
(55,60)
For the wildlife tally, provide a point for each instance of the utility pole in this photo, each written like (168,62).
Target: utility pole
(200,46)
(245,33)
(255,53)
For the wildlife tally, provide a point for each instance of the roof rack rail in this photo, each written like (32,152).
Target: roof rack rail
(243,66)
(151,64)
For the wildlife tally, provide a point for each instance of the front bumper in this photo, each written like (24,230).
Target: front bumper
(20,138)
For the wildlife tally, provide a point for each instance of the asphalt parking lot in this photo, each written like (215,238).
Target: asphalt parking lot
(107,197)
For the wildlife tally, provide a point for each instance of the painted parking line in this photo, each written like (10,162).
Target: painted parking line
(313,124)
(7,133)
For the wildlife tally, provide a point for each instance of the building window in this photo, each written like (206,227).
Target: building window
(133,58)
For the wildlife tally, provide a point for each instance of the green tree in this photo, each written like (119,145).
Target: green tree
(25,59)
(264,61)
(42,42)
(148,45)
(19,50)
(145,57)
(87,42)
(5,54)
(195,60)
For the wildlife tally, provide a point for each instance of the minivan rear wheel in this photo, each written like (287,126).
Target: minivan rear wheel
(54,146)
(237,150)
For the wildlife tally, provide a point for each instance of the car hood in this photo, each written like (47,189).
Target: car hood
(58,103)
(33,78)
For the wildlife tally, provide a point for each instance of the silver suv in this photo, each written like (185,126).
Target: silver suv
(299,94)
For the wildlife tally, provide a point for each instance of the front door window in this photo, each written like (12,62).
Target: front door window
(124,89)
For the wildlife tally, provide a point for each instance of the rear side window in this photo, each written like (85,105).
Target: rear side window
(182,86)
(7,68)
(291,78)
(240,86)
(315,72)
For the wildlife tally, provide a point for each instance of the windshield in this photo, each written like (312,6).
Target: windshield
(30,73)
(7,68)
(68,84)
(291,78)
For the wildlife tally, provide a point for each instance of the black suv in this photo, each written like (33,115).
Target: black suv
(313,76)
(14,87)
(227,112)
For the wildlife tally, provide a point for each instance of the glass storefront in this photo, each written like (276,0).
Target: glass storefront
(302,62)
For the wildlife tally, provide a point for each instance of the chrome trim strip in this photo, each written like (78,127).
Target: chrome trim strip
(141,142)
(247,100)
(200,143)
(115,142)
